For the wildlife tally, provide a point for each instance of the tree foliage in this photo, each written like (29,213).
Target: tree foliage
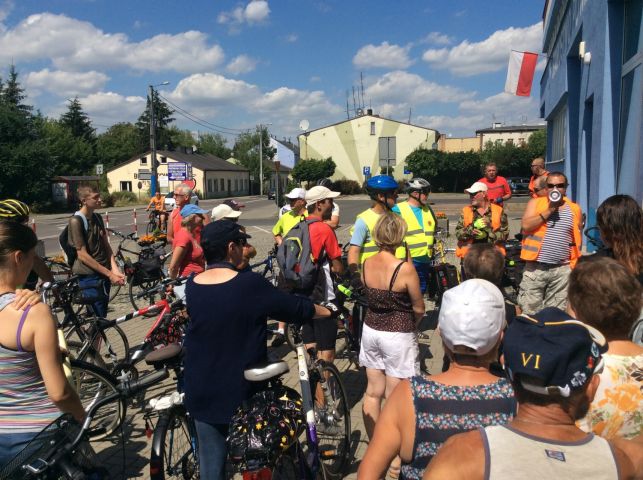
(246,152)
(119,143)
(214,144)
(78,122)
(313,170)
(162,119)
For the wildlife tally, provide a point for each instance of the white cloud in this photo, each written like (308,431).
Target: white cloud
(108,108)
(503,104)
(458,126)
(408,88)
(5,9)
(257,11)
(241,64)
(489,55)
(383,56)
(209,89)
(65,84)
(73,44)
(292,38)
(437,38)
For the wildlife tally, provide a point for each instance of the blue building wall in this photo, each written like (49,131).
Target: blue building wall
(602,98)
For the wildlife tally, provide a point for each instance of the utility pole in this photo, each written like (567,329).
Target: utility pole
(260,129)
(154,176)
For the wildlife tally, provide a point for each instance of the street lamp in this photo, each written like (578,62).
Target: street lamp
(260,130)
(154,176)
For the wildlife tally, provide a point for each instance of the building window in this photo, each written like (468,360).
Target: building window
(222,185)
(215,185)
(236,185)
(163,159)
(559,136)
(209,184)
(510,141)
(372,128)
(143,160)
(521,141)
(126,186)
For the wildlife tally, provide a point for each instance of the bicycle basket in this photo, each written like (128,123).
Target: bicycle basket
(266,425)
(42,448)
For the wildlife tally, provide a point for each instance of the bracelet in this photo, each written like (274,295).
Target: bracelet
(541,216)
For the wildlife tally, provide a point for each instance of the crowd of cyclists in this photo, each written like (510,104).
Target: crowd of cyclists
(549,385)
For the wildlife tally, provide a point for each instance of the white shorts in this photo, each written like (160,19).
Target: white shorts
(396,353)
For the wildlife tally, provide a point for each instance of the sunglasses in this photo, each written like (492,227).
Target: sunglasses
(556,185)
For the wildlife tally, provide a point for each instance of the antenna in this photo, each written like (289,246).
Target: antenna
(409,115)
(303,125)
(348,116)
(354,104)
(361,81)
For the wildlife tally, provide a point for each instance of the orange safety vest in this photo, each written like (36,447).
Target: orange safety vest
(532,240)
(467,214)
(532,184)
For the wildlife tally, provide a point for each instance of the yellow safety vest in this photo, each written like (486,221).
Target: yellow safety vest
(286,222)
(370,248)
(419,238)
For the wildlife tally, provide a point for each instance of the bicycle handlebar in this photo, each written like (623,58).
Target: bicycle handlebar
(161,286)
(116,233)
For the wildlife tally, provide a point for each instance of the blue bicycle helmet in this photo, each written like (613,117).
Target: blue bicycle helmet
(381,184)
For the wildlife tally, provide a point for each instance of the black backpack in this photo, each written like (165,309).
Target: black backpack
(69,250)
(295,257)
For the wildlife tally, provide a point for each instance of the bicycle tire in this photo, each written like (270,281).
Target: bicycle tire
(333,422)
(174,429)
(286,467)
(138,287)
(111,337)
(91,383)
(151,227)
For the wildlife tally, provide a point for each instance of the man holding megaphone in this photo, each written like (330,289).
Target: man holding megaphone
(481,222)
(551,245)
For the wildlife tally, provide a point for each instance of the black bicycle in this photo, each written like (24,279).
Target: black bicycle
(61,451)
(266,267)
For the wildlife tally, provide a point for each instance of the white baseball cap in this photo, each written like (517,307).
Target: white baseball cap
(296,193)
(476,187)
(224,211)
(318,193)
(472,315)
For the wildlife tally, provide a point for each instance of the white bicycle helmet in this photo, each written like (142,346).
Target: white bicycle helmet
(418,185)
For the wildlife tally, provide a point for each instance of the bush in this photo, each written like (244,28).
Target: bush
(347,187)
(107,199)
(121,199)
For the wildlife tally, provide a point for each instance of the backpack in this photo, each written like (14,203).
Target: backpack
(68,249)
(295,257)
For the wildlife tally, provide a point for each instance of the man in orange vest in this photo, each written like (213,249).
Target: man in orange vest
(537,172)
(481,222)
(551,245)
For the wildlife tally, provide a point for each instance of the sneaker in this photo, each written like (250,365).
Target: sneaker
(279,340)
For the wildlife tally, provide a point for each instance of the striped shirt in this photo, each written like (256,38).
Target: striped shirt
(24,403)
(445,410)
(558,237)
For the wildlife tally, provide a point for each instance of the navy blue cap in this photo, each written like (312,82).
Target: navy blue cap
(557,352)
(222,232)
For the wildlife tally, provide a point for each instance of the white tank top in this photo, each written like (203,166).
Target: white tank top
(520,456)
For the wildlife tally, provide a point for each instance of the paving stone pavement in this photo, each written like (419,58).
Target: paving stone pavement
(126,454)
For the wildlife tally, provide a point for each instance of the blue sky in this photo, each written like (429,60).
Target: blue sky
(233,65)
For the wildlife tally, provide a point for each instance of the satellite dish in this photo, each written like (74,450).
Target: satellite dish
(303,125)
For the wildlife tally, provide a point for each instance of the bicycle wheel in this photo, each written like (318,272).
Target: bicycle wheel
(110,348)
(92,383)
(173,445)
(286,468)
(333,419)
(141,286)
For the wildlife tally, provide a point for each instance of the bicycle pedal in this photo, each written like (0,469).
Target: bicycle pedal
(327,452)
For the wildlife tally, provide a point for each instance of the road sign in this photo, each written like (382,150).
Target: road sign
(387,151)
(367,170)
(144,174)
(177,171)
(140,185)
(407,171)
(99,169)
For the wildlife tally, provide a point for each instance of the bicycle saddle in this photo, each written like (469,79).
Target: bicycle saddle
(164,355)
(265,371)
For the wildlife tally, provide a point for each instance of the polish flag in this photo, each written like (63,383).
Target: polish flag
(521,73)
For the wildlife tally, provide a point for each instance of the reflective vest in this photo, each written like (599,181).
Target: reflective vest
(532,240)
(370,248)
(532,184)
(419,238)
(467,214)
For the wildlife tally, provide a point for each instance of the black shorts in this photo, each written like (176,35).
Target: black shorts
(322,331)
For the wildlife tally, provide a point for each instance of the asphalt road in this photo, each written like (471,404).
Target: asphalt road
(259,215)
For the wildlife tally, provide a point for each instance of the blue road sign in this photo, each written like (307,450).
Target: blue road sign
(177,171)
(367,170)
(407,171)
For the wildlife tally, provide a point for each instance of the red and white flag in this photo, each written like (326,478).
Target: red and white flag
(520,75)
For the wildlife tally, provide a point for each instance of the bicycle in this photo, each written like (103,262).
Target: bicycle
(266,267)
(61,451)
(325,411)
(174,451)
(153,223)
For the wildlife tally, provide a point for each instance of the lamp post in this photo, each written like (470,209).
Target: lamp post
(260,130)
(154,176)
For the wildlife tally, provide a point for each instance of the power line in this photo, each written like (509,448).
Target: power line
(202,122)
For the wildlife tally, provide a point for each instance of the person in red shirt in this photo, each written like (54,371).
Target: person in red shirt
(498,189)
(327,254)
(187,254)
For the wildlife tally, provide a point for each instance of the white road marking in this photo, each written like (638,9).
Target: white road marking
(259,228)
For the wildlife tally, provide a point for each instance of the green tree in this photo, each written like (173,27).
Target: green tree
(180,138)
(13,94)
(537,144)
(162,119)
(215,144)
(246,152)
(313,170)
(118,143)
(424,162)
(78,121)
(72,155)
